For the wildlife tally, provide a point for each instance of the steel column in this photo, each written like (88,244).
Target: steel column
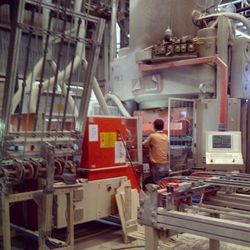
(91,70)
(151,238)
(5,214)
(13,56)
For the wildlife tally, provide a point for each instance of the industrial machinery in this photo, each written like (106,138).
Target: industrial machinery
(198,64)
(204,204)
(208,204)
(194,74)
(111,153)
(47,178)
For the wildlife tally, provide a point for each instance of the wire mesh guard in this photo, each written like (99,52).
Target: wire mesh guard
(48,81)
(181,133)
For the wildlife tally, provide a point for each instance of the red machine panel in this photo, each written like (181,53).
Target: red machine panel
(100,140)
(103,152)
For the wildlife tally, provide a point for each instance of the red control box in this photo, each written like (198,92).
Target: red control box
(103,150)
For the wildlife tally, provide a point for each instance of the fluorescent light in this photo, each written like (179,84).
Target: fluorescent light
(76,87)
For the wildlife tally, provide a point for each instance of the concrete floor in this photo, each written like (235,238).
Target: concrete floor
(111,239)
(100,236)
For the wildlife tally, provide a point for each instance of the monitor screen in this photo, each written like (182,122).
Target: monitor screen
(222,141)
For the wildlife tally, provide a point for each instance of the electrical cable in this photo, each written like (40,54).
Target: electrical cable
(129,157)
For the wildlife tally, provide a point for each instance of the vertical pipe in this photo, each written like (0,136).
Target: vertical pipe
(223,97)
(113,30)
(169,131)
(222,51)
(106,47)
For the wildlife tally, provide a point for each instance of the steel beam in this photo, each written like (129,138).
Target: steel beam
(212,228)
(64,10)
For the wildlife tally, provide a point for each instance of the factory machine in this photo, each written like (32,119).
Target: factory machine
(191,73)
(187,64)
(110,155)
(214,204)
(59,167)
(205,204)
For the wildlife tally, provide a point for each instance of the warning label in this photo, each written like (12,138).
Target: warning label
(108,139)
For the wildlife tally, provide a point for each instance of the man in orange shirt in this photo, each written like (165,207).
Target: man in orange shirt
(157,143)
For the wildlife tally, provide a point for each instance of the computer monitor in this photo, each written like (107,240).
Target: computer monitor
(222,141)
(223,147)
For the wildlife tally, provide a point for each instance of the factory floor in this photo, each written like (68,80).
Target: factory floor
(112,240)
(102,236)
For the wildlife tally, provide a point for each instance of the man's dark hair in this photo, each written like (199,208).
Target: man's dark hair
(158,124)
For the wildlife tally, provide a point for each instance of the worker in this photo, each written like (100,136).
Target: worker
(157,142)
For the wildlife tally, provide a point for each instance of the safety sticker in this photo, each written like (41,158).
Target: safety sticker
(108,139)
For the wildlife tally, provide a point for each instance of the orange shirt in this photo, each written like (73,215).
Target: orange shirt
(158,147)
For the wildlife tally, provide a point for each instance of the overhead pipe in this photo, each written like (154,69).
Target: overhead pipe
(233,16)
(113,38)
(118,103)
(147,68)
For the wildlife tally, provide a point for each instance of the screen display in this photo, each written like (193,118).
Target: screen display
(222,141)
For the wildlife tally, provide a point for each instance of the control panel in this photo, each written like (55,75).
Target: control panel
(223,148)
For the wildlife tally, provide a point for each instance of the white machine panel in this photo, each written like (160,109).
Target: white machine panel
(92,201)
(223,148)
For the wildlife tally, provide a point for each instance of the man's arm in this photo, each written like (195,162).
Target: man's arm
(146,143)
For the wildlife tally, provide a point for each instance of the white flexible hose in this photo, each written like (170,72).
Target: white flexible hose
(31,77)
(233,16)
(118,103)
(61,75)
(63,85)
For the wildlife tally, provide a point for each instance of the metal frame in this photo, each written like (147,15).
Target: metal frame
(14,55)
(163,211)
(46,141)
(169,122)
(39,197)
